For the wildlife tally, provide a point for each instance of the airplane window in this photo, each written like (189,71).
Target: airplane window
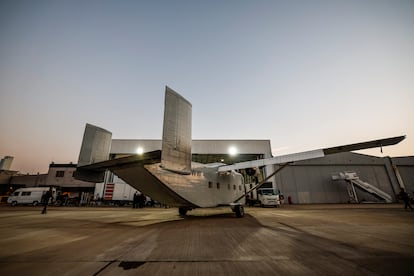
(234,187)
(228,186)
(239,187)
(210,184)
(218,185)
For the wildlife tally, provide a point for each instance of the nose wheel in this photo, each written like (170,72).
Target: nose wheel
(238,209)
(182,211)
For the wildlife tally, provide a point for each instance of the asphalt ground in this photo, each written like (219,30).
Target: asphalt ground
(344,239)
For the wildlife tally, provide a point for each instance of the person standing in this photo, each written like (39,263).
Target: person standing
(47,196)
(142,200)
(406,198)
(135,201)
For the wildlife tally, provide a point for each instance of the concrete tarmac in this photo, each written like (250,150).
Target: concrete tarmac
(293,240)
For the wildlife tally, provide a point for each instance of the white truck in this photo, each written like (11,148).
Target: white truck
(117,192)
(265,197)
(31,196)
(268,197)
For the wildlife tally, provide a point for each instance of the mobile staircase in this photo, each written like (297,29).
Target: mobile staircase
(353,180)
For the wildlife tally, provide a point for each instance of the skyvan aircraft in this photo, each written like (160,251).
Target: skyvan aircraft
(170,177)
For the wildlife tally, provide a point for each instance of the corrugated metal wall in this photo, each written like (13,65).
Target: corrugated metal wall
(311,181)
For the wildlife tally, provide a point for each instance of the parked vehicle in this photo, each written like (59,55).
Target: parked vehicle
(268,197)
(117,193)
(31,196)
(265,197)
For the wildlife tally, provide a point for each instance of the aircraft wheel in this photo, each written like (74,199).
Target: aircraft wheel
(239,210)
(35,203)
(182,211)
(14,203)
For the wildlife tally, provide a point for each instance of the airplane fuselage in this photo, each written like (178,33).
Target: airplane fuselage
(204,186)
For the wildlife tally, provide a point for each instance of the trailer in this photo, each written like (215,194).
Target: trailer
(116,192)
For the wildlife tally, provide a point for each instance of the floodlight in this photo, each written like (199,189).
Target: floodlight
(140,150)
(233,151)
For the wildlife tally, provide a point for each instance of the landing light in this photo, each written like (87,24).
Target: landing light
(140,150)
(233,151)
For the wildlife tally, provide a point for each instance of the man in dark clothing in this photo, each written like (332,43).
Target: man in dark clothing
(406,198)
(135,201)
(142,200)
(46,199)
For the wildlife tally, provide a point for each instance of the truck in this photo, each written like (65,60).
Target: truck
(116,192)
(31,196)
(266,195)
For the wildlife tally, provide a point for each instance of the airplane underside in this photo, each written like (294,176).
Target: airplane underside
(142,180)
(177,190)
(132,170)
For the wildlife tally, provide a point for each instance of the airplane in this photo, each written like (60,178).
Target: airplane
(169,176)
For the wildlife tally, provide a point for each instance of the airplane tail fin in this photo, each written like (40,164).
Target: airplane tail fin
(176,137)
(96,145)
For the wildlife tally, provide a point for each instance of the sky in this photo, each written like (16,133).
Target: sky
(303,74)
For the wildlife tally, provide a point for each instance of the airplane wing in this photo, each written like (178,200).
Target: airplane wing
(289,158)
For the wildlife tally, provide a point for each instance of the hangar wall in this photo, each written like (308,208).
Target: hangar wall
(311,181)
(405,166)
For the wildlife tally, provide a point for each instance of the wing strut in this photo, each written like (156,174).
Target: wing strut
(263,181)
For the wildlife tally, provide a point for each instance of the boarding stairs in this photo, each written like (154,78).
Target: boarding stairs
(353,180)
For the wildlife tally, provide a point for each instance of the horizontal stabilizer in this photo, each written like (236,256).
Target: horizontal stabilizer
(95,172)
(283,159)
(151,157)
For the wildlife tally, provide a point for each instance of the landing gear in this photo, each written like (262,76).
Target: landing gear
(182,211)
(238,209)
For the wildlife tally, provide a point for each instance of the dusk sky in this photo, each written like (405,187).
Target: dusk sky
(304,74)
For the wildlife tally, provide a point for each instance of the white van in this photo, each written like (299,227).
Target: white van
(29,196)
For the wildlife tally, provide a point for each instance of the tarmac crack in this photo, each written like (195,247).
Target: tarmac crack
(103,268)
